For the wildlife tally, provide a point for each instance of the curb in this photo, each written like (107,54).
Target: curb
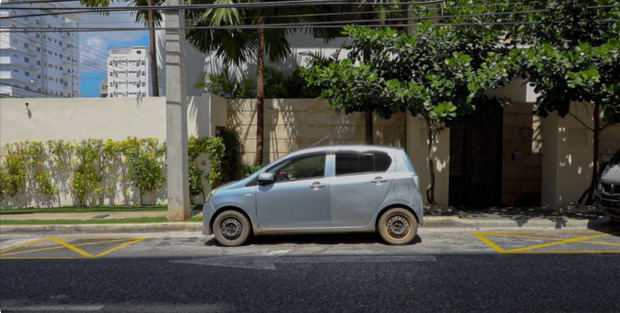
(430,222)
(460,222)
(102,228)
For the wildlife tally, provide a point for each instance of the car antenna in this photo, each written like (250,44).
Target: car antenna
(316,143)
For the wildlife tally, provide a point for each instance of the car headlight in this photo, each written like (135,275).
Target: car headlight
(210,195)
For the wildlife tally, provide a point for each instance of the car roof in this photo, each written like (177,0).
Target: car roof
(346,147)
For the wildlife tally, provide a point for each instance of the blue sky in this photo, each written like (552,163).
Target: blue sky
(94,46)
(91,76)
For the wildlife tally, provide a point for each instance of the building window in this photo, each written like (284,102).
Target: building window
(38,35)
(27,73)
(38,62)
(26,45)
(139,52)
(38,49)
(15,70)
(27,60)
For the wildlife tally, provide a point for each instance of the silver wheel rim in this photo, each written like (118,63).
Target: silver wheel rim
(231,228)
(397,226)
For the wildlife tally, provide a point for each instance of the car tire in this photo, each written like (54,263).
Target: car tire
(231,228)
(397,226)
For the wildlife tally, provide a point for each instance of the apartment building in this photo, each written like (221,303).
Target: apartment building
(38,64)
(128,72)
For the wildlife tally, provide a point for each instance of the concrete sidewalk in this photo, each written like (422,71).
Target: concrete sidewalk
(463,222)
(82,215)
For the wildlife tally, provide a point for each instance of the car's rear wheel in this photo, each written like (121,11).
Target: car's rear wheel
(397,226)
(231,228)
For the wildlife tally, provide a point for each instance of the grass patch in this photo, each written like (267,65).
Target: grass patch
(160,219)
(134,220)
(84,209)
(195,219)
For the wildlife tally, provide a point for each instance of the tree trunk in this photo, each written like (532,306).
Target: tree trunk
(260,96)
(368,124)
(368,114)
(153,53)
(430,134)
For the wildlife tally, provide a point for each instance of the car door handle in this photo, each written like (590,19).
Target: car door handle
(316,185)
(379,180)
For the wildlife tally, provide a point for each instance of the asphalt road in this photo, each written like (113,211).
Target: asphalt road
(317,274)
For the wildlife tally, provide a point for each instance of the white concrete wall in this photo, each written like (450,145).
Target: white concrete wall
(417,145)
(99,118)
(567,157)
(106,118)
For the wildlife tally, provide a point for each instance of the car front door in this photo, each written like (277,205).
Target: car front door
(359,187)
(299,197)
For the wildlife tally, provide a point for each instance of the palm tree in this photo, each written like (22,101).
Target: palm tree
(151,19)
(239,46)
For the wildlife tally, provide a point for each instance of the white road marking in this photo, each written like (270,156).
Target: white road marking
(62,308)
(269,263)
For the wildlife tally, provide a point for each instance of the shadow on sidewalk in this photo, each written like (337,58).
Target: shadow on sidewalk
(352,238)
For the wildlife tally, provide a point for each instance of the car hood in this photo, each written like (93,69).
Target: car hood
(611,174)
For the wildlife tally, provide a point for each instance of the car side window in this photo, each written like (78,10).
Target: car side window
(300,168)
(361,162)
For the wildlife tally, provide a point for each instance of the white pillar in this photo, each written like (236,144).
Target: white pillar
(176,118)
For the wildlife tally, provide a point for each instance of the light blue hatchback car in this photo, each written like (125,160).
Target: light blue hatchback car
(321,190)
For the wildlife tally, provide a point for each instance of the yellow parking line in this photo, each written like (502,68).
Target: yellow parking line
(119,247)
(25,244)
(509,235)
(569,252)
(605,243)
(521,236)
(489,242)
(559,232)
(550,244)
(42,258)
(71,247)
(61,247)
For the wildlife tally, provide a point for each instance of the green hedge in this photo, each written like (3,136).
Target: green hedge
(92,169)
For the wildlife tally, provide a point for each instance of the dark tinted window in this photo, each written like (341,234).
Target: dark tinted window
(300,168)
(356,162)
(616,158)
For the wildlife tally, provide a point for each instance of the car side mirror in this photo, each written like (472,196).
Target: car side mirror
(266,179)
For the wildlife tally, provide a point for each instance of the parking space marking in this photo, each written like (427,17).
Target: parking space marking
(588,237)
(14,253)
(60,247)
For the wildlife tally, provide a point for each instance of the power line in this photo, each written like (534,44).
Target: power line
(123,9)
(333,24)
(246,5)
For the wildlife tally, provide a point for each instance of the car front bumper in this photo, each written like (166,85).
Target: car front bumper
(207,213)
(611,205)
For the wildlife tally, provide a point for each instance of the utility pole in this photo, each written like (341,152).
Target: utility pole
(176,116)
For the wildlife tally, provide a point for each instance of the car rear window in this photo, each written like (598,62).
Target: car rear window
(361,162)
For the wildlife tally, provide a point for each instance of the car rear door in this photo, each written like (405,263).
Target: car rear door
(359,186)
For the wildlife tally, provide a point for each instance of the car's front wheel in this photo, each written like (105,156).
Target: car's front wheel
(398,226)
(231,228)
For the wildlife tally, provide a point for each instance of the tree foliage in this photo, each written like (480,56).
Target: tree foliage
(436,73)
(573,57)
